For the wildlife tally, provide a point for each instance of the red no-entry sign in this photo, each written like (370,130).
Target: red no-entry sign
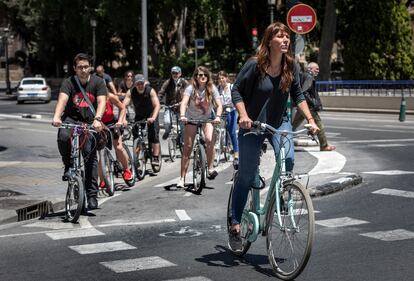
(301,18)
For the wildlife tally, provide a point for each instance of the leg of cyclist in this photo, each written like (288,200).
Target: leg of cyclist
(231,128)
(122,156)
(91,170)
(63,141)
(209,137)
(154,140)
(250,146)
(189,135)
(167,123)
(288,145)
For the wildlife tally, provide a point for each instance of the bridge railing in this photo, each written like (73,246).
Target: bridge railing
(366,88)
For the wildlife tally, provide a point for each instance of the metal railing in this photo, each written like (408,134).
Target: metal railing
(386,88)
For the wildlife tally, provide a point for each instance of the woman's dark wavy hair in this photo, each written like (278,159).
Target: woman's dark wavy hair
(263,55)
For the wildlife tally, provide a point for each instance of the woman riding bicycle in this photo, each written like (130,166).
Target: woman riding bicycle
(224,89)
(261,93)
(199,96)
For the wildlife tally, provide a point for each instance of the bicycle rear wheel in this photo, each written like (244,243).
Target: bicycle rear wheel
(289,241)
(218,147)
(131,166)
(156,167)
(172,148)
(199,169)
(243,226)
(107,171)
(75,197)
(140,160)
(228,147)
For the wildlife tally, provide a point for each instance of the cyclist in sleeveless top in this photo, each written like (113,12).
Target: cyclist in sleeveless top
(108,118)
(199,96)
(224,89)
(146,106)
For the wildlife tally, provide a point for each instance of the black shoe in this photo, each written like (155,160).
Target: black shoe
(236,163)
(165,135)
(235,241)
(212,175)
(65,176)
(92,203)
(155,161)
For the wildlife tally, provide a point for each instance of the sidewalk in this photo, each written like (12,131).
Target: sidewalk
(27,187)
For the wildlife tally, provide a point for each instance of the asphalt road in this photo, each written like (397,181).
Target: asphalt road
(150,233)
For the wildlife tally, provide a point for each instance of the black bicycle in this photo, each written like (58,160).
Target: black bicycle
(142,151)
(75,199)
(175,138)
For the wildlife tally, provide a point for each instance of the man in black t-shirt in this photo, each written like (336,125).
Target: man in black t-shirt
(73,107)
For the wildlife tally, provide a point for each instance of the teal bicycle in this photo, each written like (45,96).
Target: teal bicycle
(286,219)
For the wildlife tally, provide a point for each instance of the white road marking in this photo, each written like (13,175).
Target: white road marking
(391,235)
(368,129)
(102,200)
(9,163)
(377,141)
(134,223)
(187,194)
(395,192)
(387,145)
(84,222)
(390,172)
(74,233)
(197,278)
(340,222)
(328,161)
(102,247)
(51,225)
(128,265)
(182,215)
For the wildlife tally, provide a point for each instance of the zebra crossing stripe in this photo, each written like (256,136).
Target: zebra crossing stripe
(340,222)
(182,215)
(74,233)
(197,278)
(395,192)
(391,235)
(129,265)
(390,172)
(102,247)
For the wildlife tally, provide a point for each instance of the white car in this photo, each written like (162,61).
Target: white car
(33,89)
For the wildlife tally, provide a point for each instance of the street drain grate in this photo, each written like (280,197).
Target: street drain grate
(40,209)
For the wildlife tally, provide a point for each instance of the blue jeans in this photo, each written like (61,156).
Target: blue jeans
(249,159)
(231,128)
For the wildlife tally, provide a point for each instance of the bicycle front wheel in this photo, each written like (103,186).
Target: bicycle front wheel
(228,147)
(75,197)
(172,148)
(218,147)
(107,171)
(156,166)
(140,160)
(199,169)
(289,239)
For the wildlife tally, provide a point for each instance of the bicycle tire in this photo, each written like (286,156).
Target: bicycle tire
(107,169)
(245,242)
(298,222)
(172,148)
(228,147)
(199,169)
(131,166)
(140,159)
(75,199)
(156,168)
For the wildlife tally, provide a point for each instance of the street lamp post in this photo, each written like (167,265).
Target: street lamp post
(271,4)
(6,54)
(93,25)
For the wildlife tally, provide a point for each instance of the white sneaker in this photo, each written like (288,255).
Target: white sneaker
(180,183)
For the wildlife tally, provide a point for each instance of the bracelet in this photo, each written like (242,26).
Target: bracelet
(182,115)
(97,118)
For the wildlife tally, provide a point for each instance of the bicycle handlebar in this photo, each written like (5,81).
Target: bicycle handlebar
(266,128)
(67,125)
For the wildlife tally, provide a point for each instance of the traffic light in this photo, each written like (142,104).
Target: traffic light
(255,41)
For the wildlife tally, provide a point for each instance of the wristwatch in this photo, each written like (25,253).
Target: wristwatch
(97,118)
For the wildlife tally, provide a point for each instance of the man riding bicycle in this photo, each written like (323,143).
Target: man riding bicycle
(82,98)
(147,107)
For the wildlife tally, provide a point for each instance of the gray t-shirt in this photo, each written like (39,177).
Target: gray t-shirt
(199,107)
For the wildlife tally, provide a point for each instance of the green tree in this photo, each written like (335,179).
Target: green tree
(377,39)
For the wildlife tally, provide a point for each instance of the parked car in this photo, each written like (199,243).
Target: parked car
(33,89)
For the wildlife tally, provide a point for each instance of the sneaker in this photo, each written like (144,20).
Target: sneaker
(235,241)
(92,203)
(102,185)
(180,183)
(127,175)
(212,175)
(155,161)
(65,176)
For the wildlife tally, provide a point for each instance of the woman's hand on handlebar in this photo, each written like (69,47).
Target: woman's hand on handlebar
(183,119)
(245,122)
(57,122)
(217,120)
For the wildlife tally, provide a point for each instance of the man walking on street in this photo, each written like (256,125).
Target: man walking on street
(82,98)
(314,103)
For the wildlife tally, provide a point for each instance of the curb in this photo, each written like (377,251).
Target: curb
(336,185)
(304,142)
